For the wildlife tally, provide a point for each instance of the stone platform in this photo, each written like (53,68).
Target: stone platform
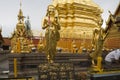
(27,64)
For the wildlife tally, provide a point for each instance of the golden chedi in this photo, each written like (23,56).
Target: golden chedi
(78,18)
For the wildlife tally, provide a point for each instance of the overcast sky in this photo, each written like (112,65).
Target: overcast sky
(36,10)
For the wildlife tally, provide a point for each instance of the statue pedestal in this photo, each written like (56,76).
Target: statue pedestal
(55,71)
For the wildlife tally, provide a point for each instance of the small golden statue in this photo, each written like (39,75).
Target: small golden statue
(99,37)
(52,35)
(40,47)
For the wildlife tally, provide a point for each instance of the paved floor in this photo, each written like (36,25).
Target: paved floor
(4,66)
(3,76)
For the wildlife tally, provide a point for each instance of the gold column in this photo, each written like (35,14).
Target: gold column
(15,67)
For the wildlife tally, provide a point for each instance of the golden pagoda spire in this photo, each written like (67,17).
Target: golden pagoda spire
(20,15)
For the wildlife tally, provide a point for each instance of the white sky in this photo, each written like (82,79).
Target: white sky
(36,9)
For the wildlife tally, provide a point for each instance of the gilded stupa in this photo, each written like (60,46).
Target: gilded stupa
(78,17)
(20,42)
(78,20)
